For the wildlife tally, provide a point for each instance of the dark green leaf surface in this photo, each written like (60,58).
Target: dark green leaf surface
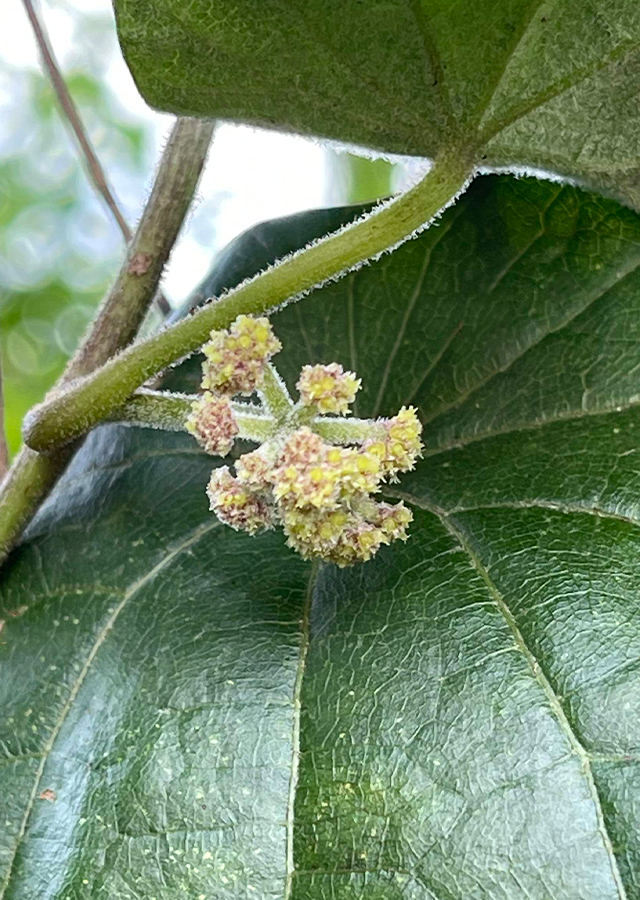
(457,720)
(553,84)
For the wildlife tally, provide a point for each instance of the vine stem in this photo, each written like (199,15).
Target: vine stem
(4,450)
(32,475)
(87,402)
(69,109)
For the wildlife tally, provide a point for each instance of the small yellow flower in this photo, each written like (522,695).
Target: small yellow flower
(329,388)
(302,477)
(235,359)
(320,492)
(402,445)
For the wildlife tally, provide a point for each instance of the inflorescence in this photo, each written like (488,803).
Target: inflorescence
(306,475)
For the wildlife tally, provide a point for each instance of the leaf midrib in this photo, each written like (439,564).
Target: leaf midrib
(305,627)
(571,416)
(552,92)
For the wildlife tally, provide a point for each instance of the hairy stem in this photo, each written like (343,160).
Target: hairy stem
(33,475)
(348,431)
(275,395)
(161,409)
(86,403)
(169,411)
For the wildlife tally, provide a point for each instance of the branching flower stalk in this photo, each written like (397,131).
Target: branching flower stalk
(80,405)
(315,471)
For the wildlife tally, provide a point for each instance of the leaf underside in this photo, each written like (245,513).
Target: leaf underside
(550,84)
(192,712)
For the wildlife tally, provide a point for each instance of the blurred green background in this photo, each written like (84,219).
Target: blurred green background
(59,248)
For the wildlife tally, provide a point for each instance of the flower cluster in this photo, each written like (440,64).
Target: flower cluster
(235,359)
(318,488)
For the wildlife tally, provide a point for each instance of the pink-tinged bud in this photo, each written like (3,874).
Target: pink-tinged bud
(212,423)
(236,505)
(236,358)
(329,388)
(255,469)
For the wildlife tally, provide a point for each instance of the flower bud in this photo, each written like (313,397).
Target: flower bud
(235,359)
(255,469)
(401,446)
(236,505)
(212,423)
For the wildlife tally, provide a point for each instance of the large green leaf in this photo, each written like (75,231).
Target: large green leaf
(456,720)
(553,84)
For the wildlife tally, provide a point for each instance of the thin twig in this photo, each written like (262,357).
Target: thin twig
(33,475)
(94,169)
(125,306)
(66,102)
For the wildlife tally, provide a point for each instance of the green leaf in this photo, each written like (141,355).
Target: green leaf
(553,84)
(456,719)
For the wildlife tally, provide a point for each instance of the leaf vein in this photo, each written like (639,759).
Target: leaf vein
(619,54)
(553,506)
(137,585)
(295,736)
(435,64)
(413,299)
(570,416)
(574,314)
(552,698)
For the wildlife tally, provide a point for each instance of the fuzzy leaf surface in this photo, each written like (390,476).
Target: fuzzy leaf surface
(553,84)
(190,711)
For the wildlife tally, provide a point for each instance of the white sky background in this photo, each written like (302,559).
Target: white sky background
(251,174)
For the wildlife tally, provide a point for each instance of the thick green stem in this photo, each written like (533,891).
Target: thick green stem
(28,481)
(89,401)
